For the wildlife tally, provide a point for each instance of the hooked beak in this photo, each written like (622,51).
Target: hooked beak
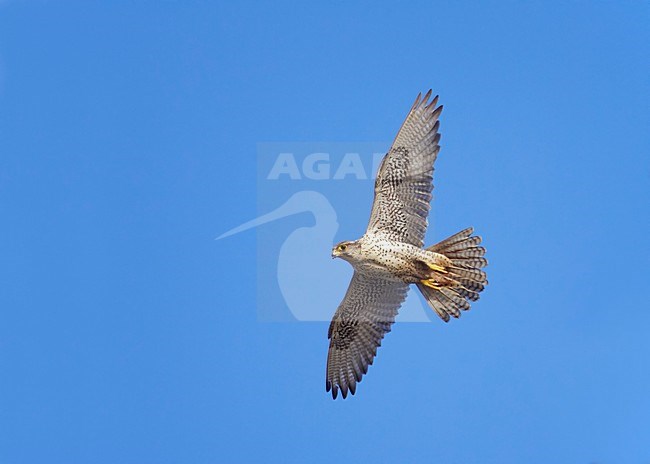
(335,253)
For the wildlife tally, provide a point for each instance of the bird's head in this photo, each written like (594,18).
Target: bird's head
(346,250)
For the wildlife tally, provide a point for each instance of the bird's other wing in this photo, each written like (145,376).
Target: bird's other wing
(404,180)
(362,319)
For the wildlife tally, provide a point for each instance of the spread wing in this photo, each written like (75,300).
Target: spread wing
(362,319)
(404,180)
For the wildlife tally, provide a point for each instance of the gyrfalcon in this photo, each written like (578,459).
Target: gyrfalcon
(390,255)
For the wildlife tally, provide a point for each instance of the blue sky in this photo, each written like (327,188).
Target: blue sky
(128,142)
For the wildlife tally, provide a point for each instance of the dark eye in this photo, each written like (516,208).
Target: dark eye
(342,247)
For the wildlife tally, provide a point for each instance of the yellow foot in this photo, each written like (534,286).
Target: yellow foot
(437,268)
(431,283)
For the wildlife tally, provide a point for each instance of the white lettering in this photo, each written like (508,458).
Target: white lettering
(316,166)
(351,164)
(284,164)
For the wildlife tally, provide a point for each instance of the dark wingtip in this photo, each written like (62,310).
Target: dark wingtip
(432,104)
(416,102)
(344,389)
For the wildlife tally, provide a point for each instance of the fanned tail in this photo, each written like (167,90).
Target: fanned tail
(463,280)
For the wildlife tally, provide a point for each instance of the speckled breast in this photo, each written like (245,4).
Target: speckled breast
(394,259)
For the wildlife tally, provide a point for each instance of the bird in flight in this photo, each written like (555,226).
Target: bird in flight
(390,255)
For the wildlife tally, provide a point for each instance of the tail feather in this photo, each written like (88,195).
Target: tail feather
(467,293)
(462,235)
(473,252)
(464,244)
(472,263)
(472,286)
(477,275)
(451,295)
(436,301)
(450,307)
(466,277)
